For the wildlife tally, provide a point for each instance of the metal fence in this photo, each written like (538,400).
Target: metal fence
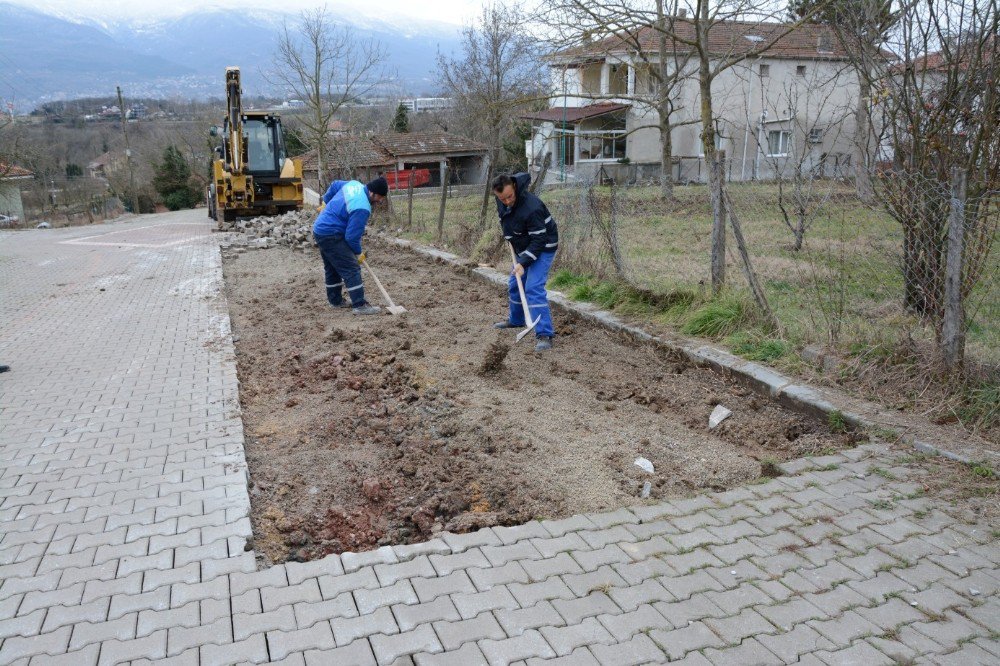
(914,263)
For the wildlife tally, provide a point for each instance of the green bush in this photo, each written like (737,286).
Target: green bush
(716,318)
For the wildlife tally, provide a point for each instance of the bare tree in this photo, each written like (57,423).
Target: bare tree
(862,26)
(700,33)
(660,68)
(816,119)
(326,66)
(495,78)
(940,105)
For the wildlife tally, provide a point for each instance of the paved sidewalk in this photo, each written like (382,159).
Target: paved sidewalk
(123,519)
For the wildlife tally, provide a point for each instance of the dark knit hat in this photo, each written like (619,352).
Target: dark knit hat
(379,186)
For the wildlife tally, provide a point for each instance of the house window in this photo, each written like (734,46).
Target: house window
(765,70)
(816,135)
(778,142)
(800,70)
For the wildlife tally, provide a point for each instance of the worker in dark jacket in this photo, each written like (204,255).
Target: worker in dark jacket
(338,231)
(531,231)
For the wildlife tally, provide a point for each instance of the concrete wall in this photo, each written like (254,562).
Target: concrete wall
(10,199)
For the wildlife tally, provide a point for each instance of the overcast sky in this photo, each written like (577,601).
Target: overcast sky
(458,12)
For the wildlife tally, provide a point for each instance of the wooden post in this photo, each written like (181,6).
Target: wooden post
(718,223)
(444,199)
(409,202)
(953,325)
(756,289)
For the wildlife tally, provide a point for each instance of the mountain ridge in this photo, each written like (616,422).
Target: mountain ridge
(45,57)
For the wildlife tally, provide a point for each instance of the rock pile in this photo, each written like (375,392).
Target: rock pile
(290,229)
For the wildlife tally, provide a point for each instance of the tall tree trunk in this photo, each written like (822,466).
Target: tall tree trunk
(666,142)
(711,154)
(862,144)
(953,323)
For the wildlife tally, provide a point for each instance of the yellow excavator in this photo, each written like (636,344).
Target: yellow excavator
(251,175)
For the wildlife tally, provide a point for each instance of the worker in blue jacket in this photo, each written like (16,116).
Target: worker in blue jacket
(338,230)
(531,231)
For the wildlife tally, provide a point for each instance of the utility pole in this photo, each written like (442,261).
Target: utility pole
(128,154)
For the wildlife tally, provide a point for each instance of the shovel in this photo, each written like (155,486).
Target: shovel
(392,307)
(524,302)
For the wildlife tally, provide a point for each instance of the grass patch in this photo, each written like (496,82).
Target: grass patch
(836,422)
(717,318)
(981,405)
(983,470)
(756,347)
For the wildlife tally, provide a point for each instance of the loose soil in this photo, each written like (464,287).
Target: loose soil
(367,431)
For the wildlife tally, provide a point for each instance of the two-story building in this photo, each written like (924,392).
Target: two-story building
(787,104)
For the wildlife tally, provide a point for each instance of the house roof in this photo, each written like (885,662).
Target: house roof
(106,159)
(11,172)
(349,150)
(575,114)
(412,144)
(724,38)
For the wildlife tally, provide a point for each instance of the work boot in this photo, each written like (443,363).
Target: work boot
(343,305)
(366,309)
(505,324)
(544,343)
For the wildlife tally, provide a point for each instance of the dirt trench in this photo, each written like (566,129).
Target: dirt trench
(368,431)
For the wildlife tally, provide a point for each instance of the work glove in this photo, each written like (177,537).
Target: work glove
(319,209)
(361,258)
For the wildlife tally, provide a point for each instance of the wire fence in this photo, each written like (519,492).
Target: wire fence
(831,267)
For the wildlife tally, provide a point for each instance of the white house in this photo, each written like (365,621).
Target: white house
(790,106)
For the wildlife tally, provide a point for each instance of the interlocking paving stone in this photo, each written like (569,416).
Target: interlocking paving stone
(516,621)
(846,628)
(471,605)
(280,644)
(417,567)
(636,572)
(245,626)
(454,634)
(552,546)
(951,632)
(408,617)
(521,550)
(389,648)
(370,600)
(484,579)
(749,651)
(445,564)
(153,647)
(461,542)
(858,653)
(574,610)
(529,644)
(308,614)
(332,586)
(788,646)
(251,650)
(649,589)
(566,639)
(468,655)
(677,643)
(529,594)
(428,589)
(510,535)
(347,630)
(642,619)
